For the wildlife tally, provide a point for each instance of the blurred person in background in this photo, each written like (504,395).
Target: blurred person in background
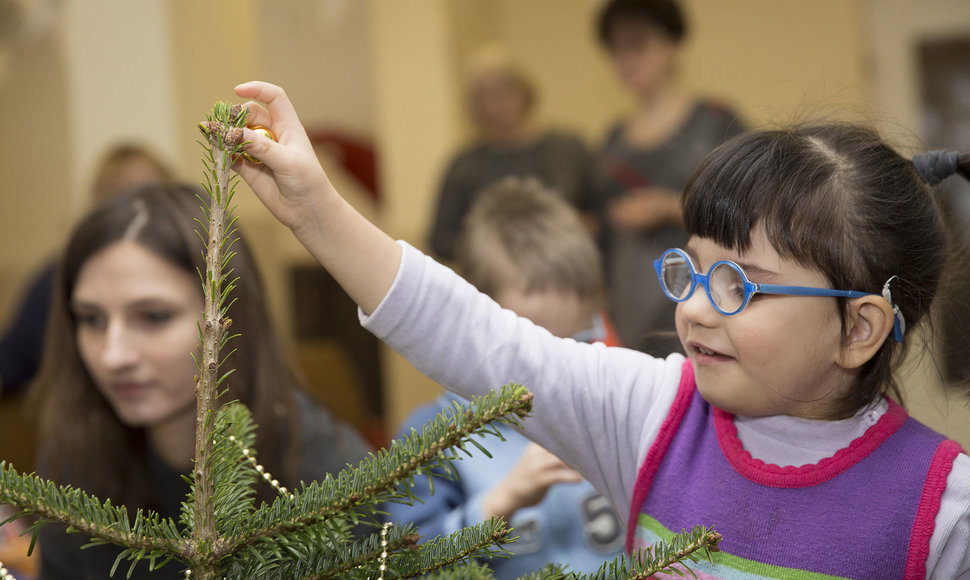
(645,162)
(501,101)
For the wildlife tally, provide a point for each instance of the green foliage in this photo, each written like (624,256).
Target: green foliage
(314,531)
(664,557)
(235,480)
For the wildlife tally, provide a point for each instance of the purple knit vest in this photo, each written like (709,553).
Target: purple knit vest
(867,512)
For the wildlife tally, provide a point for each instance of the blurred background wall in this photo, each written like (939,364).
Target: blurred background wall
(77,77)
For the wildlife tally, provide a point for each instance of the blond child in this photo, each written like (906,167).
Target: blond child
(527,248)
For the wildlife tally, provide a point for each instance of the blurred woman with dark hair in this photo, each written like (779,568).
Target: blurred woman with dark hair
(117,388)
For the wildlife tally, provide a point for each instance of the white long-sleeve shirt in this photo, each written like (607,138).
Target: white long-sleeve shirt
(598,408)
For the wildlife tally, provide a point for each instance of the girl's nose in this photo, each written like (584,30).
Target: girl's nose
(119,350)
(698,309)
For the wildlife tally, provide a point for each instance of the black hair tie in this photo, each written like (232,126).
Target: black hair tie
(935,166)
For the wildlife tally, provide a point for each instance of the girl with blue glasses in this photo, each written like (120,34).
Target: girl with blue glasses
(729,289)
(774,425)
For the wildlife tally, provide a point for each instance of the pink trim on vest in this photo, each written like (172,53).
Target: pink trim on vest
(929,507)
(772,475)
(650,465)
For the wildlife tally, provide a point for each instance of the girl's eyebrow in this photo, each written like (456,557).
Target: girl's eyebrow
(753,270)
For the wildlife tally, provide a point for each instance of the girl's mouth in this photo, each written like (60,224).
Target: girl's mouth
(704,354)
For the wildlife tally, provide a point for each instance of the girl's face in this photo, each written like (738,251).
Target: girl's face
(643,55)
(135,324)
(778,356)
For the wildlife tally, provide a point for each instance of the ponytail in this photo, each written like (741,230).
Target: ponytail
(935,166)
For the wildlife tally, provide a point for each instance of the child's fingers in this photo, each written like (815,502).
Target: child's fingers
(263,148)
(257,114)
(282,115)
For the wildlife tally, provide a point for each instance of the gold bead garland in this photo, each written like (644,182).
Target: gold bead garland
(384,528)
(259,468)
(5,574)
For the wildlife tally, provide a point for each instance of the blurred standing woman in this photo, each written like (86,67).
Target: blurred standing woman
(117,388)
(645,163)
(501,100)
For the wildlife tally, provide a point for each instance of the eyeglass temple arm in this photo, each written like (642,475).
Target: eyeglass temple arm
(808,291)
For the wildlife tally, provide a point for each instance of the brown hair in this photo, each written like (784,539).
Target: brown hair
(666,15)
(114,173)
(836,198)
(520,233)
(82,440)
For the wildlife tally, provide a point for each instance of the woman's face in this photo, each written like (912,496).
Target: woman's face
(644,56)
(499,104)
(135,324)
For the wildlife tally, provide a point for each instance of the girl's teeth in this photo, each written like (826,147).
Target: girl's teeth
(705,351)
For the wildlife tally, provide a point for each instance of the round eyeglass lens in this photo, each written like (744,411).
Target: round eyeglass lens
(676,275)
(727,287)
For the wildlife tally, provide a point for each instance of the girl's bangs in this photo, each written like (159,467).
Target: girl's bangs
(775,179)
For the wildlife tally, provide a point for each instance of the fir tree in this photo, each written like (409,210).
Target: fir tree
(304,533)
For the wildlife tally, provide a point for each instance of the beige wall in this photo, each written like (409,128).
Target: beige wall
(391,70)
(34,152)
(322,52)
(780,60)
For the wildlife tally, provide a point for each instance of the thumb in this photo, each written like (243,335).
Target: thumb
(260,147)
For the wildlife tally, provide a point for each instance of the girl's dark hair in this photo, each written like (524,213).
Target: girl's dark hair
(664,14)
(82,440)
(837,199)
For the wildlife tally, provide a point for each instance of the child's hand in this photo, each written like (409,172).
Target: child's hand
(293,186)
(528,482)
(290,181)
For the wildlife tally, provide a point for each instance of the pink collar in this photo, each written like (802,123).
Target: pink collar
(772,475)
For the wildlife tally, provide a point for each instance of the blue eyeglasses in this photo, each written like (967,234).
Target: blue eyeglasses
(730,290)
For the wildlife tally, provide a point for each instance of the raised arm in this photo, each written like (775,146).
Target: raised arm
(596,408)
(293,186)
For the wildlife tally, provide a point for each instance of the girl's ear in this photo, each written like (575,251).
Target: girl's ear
(869,323)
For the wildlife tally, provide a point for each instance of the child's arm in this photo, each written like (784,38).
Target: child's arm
(293,186)
(597,408)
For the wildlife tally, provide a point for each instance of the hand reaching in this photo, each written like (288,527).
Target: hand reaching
(290,180)
(294,187)
(528,482)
